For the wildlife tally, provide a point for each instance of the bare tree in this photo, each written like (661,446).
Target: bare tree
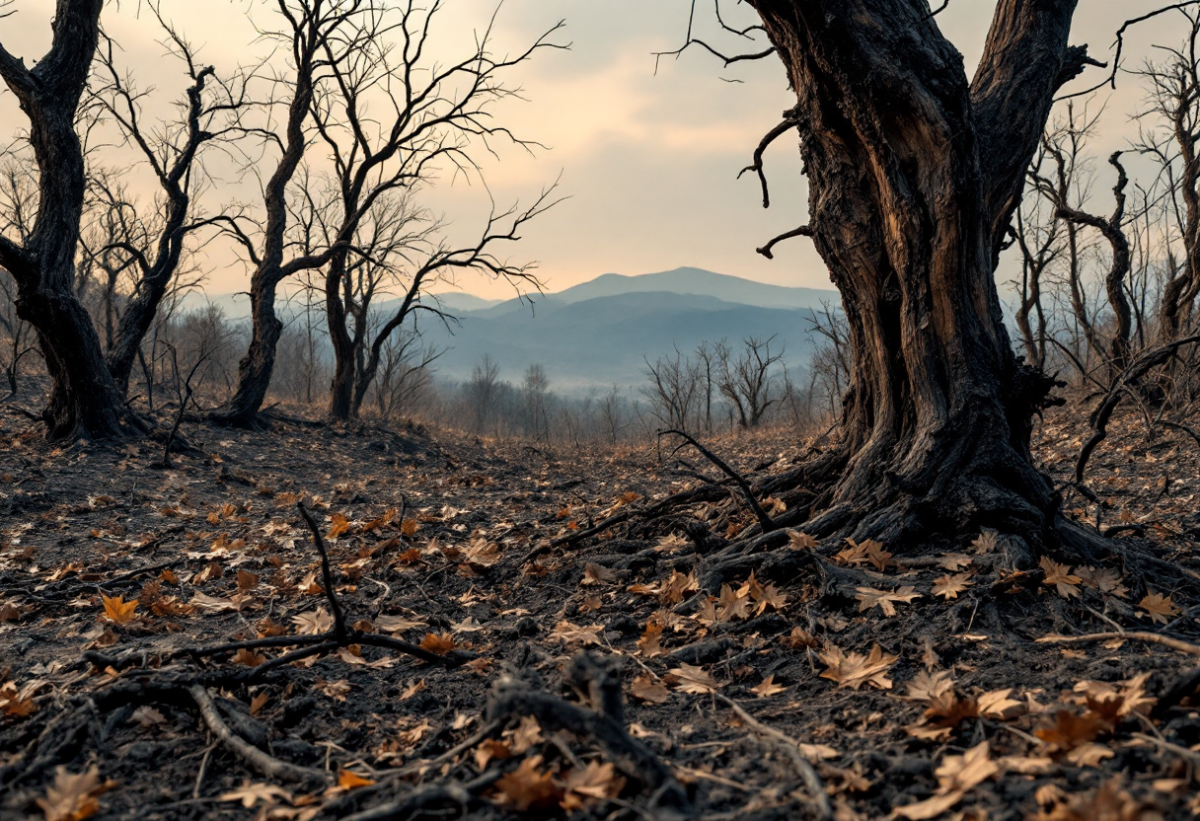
(1174,88)
(674,390)
(913,179)
(748,380)
(209,116)
(436,113)
(312,33)
(84,399)
(482,393)
(535,390)
(1115,283)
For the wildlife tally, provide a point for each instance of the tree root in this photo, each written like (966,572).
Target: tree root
(264,763)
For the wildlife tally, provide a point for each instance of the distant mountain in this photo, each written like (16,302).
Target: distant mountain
(692,281)
(461,303)
(602,332)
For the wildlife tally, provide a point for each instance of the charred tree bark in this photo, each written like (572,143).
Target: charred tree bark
(914,176)
(84,400)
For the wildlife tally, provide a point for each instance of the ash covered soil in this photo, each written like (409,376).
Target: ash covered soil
(527,631)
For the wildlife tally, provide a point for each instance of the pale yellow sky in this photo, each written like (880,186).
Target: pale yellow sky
(649,161)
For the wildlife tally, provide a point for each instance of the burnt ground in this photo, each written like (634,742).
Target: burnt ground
(902,680)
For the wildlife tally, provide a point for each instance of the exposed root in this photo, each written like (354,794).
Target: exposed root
(266,764)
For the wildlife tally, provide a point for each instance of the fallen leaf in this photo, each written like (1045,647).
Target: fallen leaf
(1158,607)
(854,669)
(948,587)
(768,687)
(72,796)
(645,688)
(441,644)
(117,610)
(575,634)
(692,679)
(250,794)
(348,780)
(869,597)
(1059,576)
(528,787)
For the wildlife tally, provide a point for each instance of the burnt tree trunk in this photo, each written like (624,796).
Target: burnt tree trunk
(84,400)
(341,393)
(914,176)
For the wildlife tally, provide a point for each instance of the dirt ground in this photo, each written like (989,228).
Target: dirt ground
(497,661)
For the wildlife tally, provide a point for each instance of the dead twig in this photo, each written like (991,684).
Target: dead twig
(764,520)
(339,619)
(1152,638)
(791,748)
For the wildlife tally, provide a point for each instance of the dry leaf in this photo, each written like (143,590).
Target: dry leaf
(250,794)
(575,634)
(768,687)
(117,610)
(645,688)
(854,669)
(1059,576)
(248,657)
(927,687)
(348,780)
(340,525)
(72,797)
(869,597)
(1158,607)
(528,787)
(693,679)
(948,587)
(801,541)
(313,624)
(595,782)
(441,644)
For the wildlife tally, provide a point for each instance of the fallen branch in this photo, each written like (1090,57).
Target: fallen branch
(339,620)
(1152,638)
(764,520)
(791,748)
(260,761)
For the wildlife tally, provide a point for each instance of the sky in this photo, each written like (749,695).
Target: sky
(647,159)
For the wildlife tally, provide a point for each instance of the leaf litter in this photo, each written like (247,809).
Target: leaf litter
(916,691)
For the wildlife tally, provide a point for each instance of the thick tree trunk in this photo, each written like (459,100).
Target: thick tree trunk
(84,400)
(914,176)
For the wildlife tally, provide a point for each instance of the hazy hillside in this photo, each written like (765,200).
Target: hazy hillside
(601,332)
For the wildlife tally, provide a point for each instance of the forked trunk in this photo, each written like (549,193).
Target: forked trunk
(913,177)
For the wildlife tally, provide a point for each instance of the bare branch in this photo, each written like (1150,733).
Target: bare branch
(802,231)
(789,122)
